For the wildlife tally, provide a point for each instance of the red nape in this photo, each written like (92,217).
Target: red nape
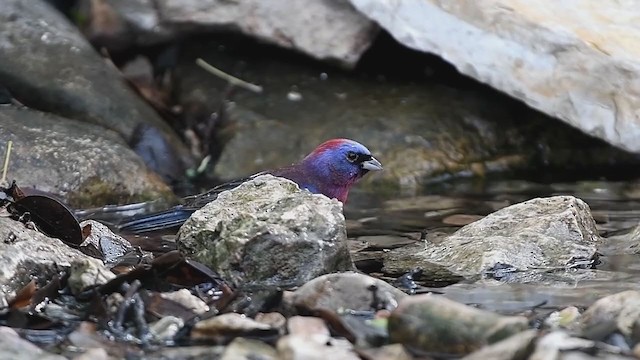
(330,144)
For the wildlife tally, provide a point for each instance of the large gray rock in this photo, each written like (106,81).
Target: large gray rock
(542,233)
(268,231)
(26,253)
(583,68)
(48,65)
(324,29)
(82,163)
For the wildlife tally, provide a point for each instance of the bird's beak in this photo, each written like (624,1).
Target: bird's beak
(372,164)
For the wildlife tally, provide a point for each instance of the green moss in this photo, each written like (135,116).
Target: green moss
(95,192)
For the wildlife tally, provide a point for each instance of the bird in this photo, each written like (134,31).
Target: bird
(331,169)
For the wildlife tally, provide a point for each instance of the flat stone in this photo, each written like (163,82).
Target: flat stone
(348,290)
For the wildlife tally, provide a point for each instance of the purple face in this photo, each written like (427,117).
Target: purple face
(342,162)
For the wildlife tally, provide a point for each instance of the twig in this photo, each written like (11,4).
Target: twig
(229,78)
(5,167)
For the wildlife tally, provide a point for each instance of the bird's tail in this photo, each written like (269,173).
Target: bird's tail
(164,220)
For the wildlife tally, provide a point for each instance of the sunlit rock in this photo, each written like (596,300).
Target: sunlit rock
(583,68)
(543,234)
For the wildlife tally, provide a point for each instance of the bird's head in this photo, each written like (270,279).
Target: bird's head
(341,162)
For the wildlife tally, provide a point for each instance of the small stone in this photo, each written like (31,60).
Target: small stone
(348,290)
(166,328)
(187,299)
(227,325)
(111,246)
(394,351)
(273,319)
(86,273)
(553,232)
(309,327)
(566,318)
(295,347)
(241,348)
(436,324)
(93,354)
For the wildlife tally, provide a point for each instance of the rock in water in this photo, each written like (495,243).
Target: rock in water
(582,68)
(436,324)
(267,231)
(552,232)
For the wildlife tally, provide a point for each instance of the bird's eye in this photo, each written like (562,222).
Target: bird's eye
(352,157)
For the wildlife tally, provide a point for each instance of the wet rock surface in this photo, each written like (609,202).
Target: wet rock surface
(268,215)
(551,62)
(82,163)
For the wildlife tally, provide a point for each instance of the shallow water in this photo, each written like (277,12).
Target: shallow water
(446,206)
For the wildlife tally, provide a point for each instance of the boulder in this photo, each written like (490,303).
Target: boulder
(84,164)
(583,68)
(539,233)
(48,65)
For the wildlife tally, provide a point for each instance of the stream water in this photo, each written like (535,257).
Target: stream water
(447,205)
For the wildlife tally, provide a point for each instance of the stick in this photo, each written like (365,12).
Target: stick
(229,78)
(5,167)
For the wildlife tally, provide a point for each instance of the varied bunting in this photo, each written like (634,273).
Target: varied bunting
(331,169)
